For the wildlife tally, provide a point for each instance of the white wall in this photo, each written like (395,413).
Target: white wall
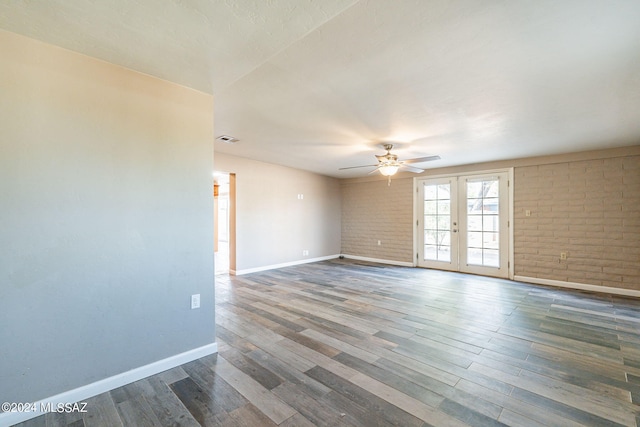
(273,226)
(105,219)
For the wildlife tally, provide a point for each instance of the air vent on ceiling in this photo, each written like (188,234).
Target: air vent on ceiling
(227,139)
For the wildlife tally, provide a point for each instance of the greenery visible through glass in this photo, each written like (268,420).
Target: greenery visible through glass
(437,222)
(483,231)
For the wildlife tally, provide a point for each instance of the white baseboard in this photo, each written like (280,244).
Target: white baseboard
(285,264)
(579,286)
(380,261)
(81,393)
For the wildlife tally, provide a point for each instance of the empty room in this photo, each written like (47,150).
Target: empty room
(320,213)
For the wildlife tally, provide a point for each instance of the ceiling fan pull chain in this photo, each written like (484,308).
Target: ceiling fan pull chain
(389,182)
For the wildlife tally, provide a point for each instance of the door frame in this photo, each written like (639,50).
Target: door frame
(457,175)
(454,247)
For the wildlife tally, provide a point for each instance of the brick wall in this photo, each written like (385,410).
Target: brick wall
(373,211)
(587,205)
(588,209)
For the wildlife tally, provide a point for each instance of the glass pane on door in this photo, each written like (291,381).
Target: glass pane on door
(483,226)
(437,222)
(462,223)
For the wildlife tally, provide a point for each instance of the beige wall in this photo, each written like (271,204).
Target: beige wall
(374,211)
(588,209)
(586,204)
(273,226)
(105,220)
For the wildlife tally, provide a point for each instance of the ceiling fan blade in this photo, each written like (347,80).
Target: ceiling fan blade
(412,169)
(374,171)
(422,159)
(355,167)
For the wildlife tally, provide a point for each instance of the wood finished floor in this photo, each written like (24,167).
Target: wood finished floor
(348,343)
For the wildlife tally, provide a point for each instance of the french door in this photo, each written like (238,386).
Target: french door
(463,223)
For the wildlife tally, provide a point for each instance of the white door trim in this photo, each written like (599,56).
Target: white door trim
(503,186)
(416,209)
(453,263)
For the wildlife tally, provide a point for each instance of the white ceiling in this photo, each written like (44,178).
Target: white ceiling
(319,84)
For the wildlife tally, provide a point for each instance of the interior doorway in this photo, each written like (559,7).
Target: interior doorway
(222,219)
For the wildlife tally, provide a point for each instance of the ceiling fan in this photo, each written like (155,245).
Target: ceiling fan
(388,164)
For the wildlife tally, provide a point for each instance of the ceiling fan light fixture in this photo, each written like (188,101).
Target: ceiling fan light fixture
(389,170)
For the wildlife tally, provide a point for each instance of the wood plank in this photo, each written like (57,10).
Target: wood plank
(225,397)
(202,406)
(166,405)
(268,403)
(249,416)
(404,402)
(319,359)
(419,366)
(340,345)
(262,375)
(35,422)
(298,420)
(276,349)
(362,397)
(313,344)
(317,411)
(570,396)
(138,412)
(276,311)
(356,343)
(466,415)
(289,374)
(389,378)
(571,412)
(521,409)
(172,375)
(101,411)
(54,419)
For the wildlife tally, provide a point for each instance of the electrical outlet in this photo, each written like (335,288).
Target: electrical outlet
(527,212)
(195,301)
(379,243)
(305,253)
(563,256)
